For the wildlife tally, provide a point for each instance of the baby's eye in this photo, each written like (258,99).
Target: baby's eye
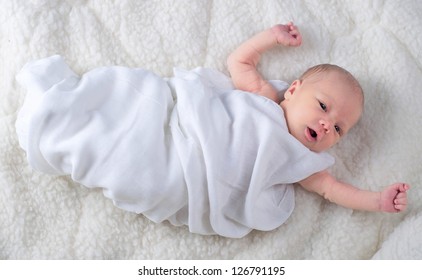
(338,129)
(323,106)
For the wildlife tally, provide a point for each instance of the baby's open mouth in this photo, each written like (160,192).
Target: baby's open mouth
(313,133)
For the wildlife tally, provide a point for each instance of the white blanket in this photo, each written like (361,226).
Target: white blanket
(379,41)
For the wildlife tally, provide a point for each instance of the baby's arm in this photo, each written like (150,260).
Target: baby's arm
(243,61)
(392,199)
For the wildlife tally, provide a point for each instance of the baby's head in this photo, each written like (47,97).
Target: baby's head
(322,106)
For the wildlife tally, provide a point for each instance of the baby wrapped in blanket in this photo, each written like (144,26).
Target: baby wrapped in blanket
(190,149)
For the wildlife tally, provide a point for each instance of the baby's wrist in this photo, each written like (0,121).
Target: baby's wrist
(275,30)
(380,207)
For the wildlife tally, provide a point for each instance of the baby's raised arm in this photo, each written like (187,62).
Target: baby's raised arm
(392,199)
(243,61)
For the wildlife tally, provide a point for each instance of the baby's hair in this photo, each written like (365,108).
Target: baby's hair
(324,68)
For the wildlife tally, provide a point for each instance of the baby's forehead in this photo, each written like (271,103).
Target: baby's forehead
(347,84)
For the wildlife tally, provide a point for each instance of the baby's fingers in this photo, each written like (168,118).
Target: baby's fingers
(404,187)
(296,38)
(400,207)
(400,202)
(293,29)
(294,33)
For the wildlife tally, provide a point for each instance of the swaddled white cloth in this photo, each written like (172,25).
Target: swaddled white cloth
(189,149)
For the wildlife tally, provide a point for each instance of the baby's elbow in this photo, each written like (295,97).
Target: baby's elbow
(327,196)
(320,183)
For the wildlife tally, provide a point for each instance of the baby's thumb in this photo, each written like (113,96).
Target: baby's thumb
(403,187)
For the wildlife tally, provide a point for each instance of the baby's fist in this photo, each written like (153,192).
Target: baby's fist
(287,35)
(394,198)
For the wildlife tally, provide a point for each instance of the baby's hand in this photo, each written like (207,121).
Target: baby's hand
(287,35)
(394,198)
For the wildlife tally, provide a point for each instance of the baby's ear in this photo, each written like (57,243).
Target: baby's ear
(292,88)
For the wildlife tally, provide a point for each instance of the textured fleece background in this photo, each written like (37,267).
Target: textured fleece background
(44,217)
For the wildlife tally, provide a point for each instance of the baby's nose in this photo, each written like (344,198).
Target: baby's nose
(325,125)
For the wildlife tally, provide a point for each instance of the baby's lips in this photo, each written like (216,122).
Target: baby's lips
(308,134)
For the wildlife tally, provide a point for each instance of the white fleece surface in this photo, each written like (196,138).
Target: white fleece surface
(45,217)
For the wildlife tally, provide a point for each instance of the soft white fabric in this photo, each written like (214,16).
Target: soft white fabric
(378,41)
(195,151)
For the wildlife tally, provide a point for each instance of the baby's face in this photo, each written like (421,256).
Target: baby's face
(320,110)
